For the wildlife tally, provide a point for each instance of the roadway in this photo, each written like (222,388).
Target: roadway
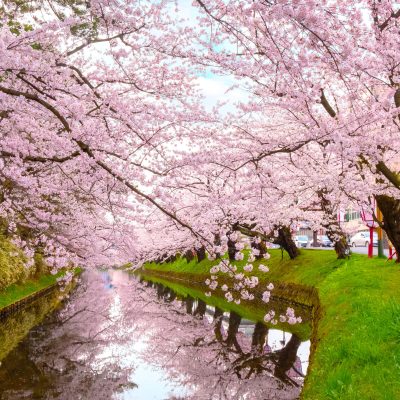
(359,250)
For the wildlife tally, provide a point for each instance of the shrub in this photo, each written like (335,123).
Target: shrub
(12,264)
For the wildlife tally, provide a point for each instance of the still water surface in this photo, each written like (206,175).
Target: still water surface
(120,338)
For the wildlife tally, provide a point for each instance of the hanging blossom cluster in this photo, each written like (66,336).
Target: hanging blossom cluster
(240,285)
(65,280)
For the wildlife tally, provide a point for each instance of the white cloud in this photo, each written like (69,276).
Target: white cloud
(217,89)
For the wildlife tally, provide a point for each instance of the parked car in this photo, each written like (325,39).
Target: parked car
(363,239)
(324,241)
(301,241)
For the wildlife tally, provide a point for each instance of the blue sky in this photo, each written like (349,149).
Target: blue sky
(214,87)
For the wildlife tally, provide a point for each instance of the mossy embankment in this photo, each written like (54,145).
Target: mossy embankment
(16,326)
(356,336)
(17,292)
(17,282)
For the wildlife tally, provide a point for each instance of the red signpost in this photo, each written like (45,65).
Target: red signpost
(369,221)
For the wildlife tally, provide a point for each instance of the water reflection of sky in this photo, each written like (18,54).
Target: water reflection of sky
(122,339)
(152,383)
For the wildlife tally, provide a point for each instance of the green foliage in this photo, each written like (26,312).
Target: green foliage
(36,46)
(12,264)
(13,10)
(40,266)
(16,27)
(125,266)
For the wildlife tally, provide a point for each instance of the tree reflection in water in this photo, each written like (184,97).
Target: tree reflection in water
(72,354)
(222,362)
(110,329)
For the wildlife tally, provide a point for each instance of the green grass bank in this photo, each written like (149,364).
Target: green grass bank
(356,335)
(18,282)
(17,292)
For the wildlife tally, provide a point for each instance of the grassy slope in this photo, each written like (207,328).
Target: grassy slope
(358,336)
(17,292)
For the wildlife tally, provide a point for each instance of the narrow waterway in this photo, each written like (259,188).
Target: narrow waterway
(118,337)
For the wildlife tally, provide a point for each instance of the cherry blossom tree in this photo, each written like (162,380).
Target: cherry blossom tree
(333,68)
(108,156)
(92,105)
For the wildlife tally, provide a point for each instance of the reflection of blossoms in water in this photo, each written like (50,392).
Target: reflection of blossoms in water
(110,328)
(78,351)
(218,361)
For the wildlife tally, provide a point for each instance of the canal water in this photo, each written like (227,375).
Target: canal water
(120,337)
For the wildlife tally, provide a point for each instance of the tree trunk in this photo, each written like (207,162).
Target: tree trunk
(217,242)
(218,315)
(315,239)
(170,259)
(169,295)
(160,290)
(337,236)
(287,357)
(333,229)
(189,304)
(231,250)
(189,255)
(390,209)
(201,308)
(341,247)
(201,253)
(285,240)
(258,339)
(261,247)
(233,328)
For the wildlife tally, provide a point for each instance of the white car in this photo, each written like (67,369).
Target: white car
(362,239)
(301,241)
